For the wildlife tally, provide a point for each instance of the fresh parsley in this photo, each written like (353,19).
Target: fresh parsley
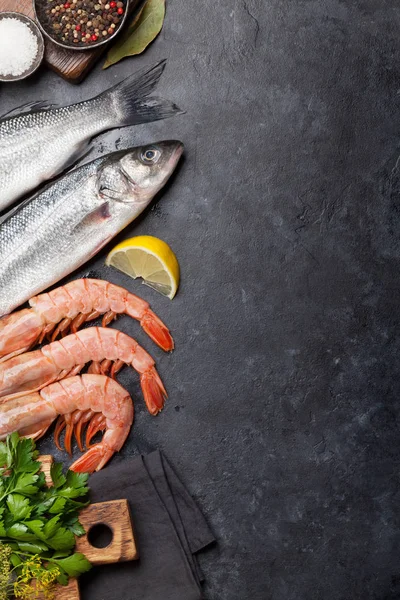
(38,524)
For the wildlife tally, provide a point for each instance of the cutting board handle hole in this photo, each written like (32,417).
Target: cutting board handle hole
(100,535)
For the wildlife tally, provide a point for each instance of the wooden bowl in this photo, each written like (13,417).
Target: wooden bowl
(39,6)
(36,32)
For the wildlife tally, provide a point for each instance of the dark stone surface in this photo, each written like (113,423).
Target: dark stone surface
(284,394)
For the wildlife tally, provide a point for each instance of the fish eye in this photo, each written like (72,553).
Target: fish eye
(150,156)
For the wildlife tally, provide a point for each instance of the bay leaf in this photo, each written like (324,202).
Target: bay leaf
(136,19)
(144,29)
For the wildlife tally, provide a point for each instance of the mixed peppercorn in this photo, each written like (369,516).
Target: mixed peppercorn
(83,22)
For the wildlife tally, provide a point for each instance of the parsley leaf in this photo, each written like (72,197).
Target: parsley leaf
(62,578)
(77,480)
(73,525)
(57,506)
(18,506)
(71,492)
(51,526)
(43,506)
(33,547)
(23,455)
(62,540)
(60,554)
(57,475)
(25,484)
(74,565)
(37,527)
(37,521)
(19,531)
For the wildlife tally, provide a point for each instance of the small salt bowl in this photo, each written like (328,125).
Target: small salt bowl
(40,43)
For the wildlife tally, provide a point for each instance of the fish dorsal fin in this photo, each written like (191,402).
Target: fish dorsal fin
(28,107)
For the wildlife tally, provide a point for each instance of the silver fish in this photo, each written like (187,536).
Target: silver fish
(37,145)
(48,236)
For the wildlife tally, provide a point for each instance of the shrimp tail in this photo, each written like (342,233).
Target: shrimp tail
(93,460)
(157,331)
(153,390)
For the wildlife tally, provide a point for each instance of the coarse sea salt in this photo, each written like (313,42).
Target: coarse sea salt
(18,47)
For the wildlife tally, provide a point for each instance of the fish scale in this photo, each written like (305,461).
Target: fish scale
(37,145)
(21,154)
(57,230)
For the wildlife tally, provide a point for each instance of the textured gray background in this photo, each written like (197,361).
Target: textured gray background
(283,411)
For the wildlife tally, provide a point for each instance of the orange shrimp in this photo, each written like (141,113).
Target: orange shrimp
(32,415)
(66,308)
(64,358)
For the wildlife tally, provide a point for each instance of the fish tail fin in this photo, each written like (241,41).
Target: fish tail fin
(130,98)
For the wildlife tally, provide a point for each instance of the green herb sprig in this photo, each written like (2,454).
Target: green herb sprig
(38,524)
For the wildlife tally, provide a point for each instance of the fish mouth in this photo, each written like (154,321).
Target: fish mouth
(176,154)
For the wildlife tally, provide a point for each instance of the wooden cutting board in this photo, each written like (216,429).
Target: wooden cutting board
(116,516)
(69,64)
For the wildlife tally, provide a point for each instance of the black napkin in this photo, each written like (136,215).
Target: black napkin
(169,531)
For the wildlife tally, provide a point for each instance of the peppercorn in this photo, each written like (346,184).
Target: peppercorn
(99,18)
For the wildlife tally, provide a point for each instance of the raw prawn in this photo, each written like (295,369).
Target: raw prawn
(68,307)
(64,358)
(31,415)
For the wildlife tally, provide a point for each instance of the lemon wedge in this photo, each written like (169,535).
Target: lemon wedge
(150,258)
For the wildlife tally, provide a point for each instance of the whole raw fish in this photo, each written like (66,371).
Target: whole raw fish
(39,144)
(53,233)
